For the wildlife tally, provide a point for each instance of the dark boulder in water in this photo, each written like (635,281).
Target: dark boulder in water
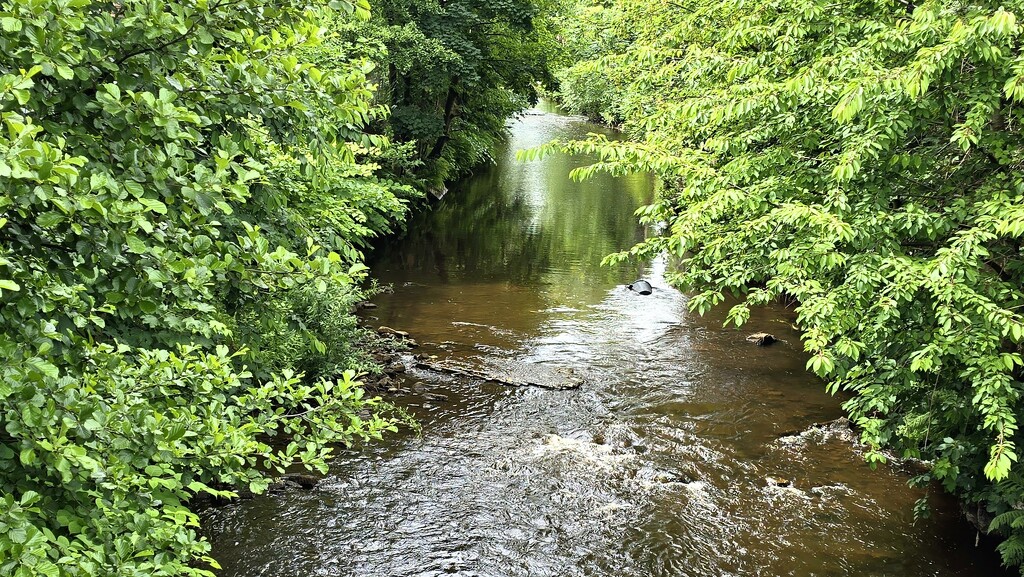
(641,286)
(762,339)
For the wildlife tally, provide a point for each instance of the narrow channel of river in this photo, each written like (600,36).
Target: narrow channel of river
(657,466)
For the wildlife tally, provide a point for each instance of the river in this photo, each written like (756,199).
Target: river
(666,462)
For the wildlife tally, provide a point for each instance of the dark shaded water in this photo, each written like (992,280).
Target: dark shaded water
(657,466)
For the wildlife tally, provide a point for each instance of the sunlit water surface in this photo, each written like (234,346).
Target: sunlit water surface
(657,466)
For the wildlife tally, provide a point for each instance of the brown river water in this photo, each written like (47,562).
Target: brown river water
(658,465)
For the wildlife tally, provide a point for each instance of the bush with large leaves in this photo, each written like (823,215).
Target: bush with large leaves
(170,172)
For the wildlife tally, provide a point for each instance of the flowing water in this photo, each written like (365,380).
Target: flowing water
(664,463)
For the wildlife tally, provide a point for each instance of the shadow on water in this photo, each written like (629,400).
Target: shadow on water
(657,466)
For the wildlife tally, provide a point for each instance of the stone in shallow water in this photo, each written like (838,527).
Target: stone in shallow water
(762,339)
(384,330)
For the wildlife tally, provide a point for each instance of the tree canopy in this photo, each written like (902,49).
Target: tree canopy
(863,159)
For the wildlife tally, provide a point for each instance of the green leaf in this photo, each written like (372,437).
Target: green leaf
(113,90)
(176,432)
(135,189)
(28,457)
(136,245)
(10,24)
(45,367)
(153,205)
(49,219)
(47,568)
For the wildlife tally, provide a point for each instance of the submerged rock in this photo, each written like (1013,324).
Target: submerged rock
(641,287)
(302,480)
(653,477)
(291,482)
(840,429)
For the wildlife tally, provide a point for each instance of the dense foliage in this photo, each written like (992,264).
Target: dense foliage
(186,187)
(452,73)
(863,158)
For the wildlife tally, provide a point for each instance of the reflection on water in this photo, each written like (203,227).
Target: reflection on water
(658,465)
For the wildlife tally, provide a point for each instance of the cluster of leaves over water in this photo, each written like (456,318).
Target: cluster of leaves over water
(452,73)
(185,188)
(863,158)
